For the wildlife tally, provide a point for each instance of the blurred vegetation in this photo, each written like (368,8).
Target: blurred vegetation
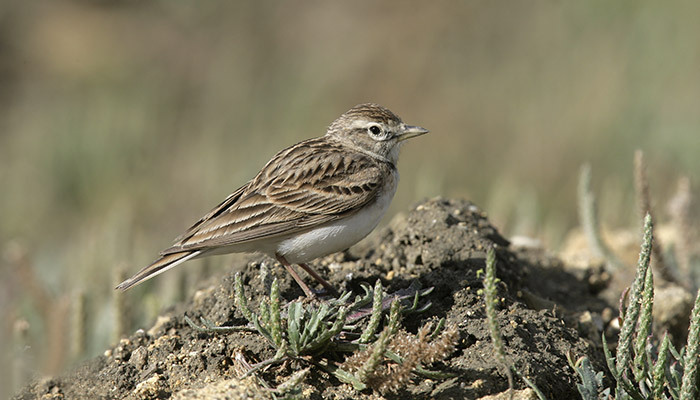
(123,122)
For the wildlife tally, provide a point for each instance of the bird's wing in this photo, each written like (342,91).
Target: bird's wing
(307,185)
(215,212)
(162,264)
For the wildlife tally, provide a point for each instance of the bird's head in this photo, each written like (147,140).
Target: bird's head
(374,130)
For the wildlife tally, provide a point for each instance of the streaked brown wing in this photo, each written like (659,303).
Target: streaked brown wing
(216,211)
(309,184)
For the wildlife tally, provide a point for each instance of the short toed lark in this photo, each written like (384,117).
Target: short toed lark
(315,198)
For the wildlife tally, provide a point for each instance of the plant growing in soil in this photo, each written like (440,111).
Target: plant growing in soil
(645,367)
(491,301)
(641,369)
(312,331)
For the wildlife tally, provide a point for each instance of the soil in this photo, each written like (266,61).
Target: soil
(548,310)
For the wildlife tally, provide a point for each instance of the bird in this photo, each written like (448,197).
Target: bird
(315,198)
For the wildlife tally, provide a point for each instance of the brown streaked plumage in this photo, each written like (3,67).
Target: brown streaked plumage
(315,198)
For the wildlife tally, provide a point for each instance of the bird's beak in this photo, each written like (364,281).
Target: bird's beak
(411,131)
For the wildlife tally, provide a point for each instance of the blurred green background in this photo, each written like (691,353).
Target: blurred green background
(121,122)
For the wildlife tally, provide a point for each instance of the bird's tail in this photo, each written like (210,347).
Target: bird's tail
(159,266)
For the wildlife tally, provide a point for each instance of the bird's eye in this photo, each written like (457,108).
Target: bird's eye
(374,130)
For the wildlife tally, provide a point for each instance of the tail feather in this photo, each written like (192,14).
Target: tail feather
(159,266)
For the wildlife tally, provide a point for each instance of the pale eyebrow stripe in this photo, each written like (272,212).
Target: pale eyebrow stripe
(361,123)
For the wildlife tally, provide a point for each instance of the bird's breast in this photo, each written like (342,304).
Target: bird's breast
(341,234)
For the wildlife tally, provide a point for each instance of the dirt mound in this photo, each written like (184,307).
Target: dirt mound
(546,312)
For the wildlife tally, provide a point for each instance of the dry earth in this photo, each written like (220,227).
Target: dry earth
(548,310)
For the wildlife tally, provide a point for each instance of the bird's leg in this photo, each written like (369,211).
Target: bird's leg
(293,273)
(309,293)
(322,281)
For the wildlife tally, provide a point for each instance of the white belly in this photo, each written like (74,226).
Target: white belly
(338,235)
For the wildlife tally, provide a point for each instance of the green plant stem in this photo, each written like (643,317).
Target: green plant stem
(691,359)
(275,318)
(79,326)
(624,348)
(659,374)
(491,300)
(644,329)
(240,299)
(588,218)
(375,318)
(378,350)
